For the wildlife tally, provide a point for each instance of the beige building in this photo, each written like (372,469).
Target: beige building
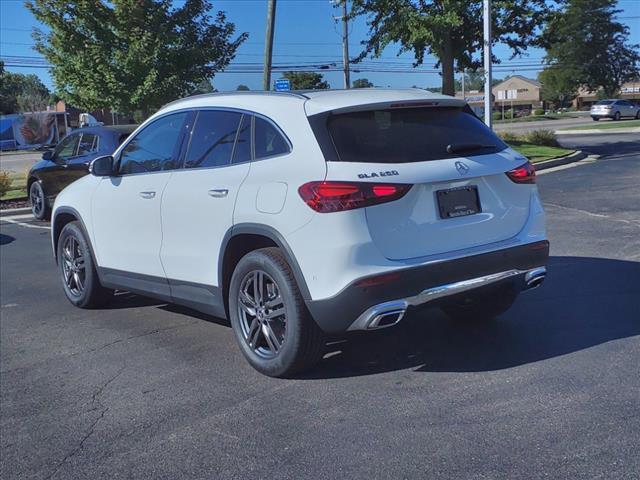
(629,91)
(517,93)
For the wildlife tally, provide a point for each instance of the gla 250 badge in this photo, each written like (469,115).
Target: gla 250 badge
(389,173)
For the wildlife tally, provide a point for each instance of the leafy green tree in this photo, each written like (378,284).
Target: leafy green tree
(132,54)
(204,86)
(451,30)
(242,88)
(559,85)
(21,93)
(586,39)
(362,83)
(306,81)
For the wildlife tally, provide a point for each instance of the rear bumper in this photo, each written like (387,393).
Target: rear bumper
(366,302)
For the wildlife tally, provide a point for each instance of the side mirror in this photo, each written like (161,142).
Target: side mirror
(48,155)
(102,166)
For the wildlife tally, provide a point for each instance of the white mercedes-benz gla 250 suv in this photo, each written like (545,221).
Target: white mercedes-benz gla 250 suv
(298,215)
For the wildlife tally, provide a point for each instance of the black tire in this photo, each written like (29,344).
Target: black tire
(301,342)
(638,115)
(484,308)
(596,119)
(38,201)
(85,291)
(616,116)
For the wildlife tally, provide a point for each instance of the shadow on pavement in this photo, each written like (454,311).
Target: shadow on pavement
(5,239)
(583,303)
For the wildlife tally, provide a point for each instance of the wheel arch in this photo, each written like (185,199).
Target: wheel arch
(62,217)
(247,237)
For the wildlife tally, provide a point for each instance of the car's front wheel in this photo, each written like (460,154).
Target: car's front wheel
(272,325)
(617,116)
(596,119)
(77,270)
(38,201)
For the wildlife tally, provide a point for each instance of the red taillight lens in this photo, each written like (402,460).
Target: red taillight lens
(325,197)
(523,174)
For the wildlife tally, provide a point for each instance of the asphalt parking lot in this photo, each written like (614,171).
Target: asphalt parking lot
(146,390)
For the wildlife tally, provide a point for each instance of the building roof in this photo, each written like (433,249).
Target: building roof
(533,82)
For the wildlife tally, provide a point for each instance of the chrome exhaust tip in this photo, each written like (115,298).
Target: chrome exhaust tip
(386,319)
(534,278)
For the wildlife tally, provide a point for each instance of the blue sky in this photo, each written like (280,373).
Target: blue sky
(305,33)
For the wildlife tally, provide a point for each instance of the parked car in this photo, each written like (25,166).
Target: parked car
(68,161)
(615,109)
(298,216)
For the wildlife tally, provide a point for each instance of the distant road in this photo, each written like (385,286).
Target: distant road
(523,127)
(18,162)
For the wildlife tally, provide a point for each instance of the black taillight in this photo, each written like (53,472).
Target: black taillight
(328,196)
(525,173)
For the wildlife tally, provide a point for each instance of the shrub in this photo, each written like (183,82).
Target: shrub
(510,137)
(538,111)
(542,137)
(496,116)
(5,182)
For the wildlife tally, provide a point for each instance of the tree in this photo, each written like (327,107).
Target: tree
(451,30)
(131,54)
(362,83)
(242,87)
(306,81)
(21,93)
(559,85)
(204,86)
(586,40)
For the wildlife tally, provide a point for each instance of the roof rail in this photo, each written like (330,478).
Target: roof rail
(238,92)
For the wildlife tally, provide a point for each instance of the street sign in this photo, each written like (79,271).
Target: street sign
(283,85)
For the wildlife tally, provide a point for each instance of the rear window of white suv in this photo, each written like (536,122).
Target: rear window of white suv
(408,135)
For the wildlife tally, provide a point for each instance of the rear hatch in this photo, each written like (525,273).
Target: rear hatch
(460,196)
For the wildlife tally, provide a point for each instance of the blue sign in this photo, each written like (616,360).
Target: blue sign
(283,85)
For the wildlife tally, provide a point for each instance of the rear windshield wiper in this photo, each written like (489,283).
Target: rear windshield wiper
(466,147)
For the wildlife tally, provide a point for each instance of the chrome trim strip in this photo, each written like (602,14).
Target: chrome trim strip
(370,317)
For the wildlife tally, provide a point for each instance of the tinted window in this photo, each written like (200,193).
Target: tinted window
(68,147)
(242,151)
(154,148)
(88,144)
(410,135)
(268,140)
(212,139)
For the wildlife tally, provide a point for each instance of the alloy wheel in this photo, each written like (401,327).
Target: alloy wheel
(37,200)
(73,266)
(262,315)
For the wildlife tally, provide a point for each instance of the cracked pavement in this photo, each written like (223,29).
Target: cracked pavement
(143,390)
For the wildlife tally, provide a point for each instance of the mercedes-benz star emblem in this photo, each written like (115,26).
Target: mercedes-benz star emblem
(462,168)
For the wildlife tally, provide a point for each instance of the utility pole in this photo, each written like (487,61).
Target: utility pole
(345,45)
(268,44)
(486,11)
(463,75)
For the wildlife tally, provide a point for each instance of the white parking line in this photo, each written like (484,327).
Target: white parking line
(23,216)
(22,224)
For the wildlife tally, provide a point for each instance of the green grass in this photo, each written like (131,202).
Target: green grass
(539,153)
(607,125)
(18,187)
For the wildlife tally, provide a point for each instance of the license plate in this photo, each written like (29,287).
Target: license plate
(458,202)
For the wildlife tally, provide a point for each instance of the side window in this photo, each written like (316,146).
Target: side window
(68,147)
(155,147)
(212,139)
(242,150)
(268,140)
(88,144)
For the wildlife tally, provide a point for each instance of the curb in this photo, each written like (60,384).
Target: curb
(556,162)
(14,211)
(600,131)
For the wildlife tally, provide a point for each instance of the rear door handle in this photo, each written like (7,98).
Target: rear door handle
(147,194)
(218,192)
